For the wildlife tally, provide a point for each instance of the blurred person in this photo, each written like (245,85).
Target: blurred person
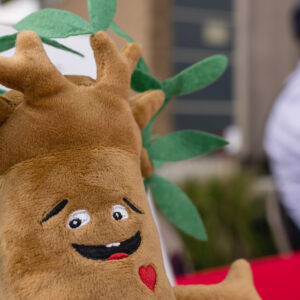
(282,145)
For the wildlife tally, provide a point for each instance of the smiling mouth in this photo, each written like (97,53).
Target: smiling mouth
(111,251)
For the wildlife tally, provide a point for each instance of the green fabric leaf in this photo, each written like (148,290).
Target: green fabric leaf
(182,145)
(142,66)
(157,164)
(190,80)
(146,133)
(2,92)
(177,207)
(55,23)
(58,45)
(155,137)
(141,82)
(101,13)
(196,77)
(7,42)
(146,184)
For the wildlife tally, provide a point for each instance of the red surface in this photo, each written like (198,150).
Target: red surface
(275,278)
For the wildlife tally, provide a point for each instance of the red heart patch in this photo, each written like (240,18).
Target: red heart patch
(148,276)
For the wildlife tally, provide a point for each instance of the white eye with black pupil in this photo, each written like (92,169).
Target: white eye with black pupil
(78,219)
(119,212)
(75,223)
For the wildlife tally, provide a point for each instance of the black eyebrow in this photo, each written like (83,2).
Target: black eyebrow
(58,208)
(132,206)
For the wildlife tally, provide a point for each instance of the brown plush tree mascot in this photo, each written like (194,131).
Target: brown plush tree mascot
(74,219)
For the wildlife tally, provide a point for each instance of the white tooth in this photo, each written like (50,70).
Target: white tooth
(113,245)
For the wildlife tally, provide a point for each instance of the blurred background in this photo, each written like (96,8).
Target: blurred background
(232,189)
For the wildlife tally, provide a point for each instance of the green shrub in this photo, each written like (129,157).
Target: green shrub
(235,219)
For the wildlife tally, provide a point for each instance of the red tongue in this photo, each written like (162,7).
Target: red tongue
(118,256)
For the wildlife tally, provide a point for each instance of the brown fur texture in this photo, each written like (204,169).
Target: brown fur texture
(88,114)
(38,261)
(238,285)
(72,145)
(145,106)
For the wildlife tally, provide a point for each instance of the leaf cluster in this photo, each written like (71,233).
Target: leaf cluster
(53,23)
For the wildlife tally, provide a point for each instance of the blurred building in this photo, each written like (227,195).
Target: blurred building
(265,54)
(201,29)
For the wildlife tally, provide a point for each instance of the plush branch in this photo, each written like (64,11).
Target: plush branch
(114,69)
(30,70)
(144,106)
(237,285)
(132,52)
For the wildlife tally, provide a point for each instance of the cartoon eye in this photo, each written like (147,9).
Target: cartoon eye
(78,219)
(119,212)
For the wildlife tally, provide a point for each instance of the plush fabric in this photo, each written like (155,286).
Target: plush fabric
(6,109)
(38,260)
(237,286)
(74,220)
(98,114)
